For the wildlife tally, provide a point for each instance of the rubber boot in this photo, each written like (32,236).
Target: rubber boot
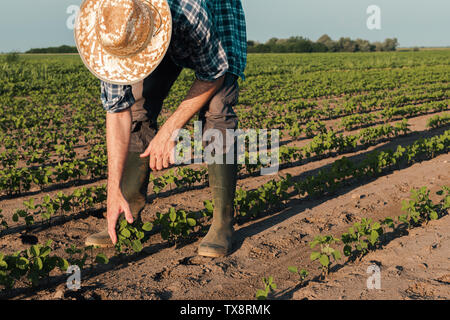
(218,241)
(134,185)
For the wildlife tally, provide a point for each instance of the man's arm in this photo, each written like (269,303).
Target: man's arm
(161,147)
(160,150)
(118,128)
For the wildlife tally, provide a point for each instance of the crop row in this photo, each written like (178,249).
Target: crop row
(18,180)
(263,117)
(438,121)
(367,235)
(324,84)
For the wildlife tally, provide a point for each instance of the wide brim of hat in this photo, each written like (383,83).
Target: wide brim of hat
(121,70)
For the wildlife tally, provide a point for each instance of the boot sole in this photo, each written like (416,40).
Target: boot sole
(212,254)
(109,245)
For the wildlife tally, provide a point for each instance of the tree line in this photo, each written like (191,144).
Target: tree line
(323,44)
(60,49)
(292,44)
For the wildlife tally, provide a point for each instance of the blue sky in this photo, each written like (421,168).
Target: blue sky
(40,23)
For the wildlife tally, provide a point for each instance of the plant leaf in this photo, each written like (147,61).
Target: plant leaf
(136,245)
(315,256)
(126,233)
(148,226)
(191,222)
(261,294)
(324,260)
(293,269)
(101,258)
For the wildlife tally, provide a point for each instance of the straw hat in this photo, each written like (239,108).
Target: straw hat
(123,41)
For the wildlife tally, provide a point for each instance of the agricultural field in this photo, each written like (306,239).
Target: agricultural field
(364,180)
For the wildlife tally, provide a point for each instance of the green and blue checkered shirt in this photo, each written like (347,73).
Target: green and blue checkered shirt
(208,36)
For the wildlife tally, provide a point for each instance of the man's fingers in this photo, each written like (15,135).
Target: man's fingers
(112,235)
(160,159)
(153,162)
(146,153)
(128,215)
(112,221)
(172,153)
(159,163)
(166,162)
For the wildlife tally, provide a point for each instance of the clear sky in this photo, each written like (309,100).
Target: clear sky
(40,23)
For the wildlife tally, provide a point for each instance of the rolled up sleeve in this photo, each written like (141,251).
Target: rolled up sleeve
(116,98)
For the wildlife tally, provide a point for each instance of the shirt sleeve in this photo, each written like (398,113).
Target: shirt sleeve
(208,55)
(116,98)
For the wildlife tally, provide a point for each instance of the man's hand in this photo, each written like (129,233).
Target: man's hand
(116,205)
(162,148)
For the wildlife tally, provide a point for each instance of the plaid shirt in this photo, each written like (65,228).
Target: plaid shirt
(208,36)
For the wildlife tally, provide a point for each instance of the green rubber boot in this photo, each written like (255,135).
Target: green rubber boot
(218,241)
(134,185)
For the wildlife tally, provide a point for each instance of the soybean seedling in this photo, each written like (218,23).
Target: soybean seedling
(420,208)
(132,236)
(3,222)
(303,274)
(325,253)
(365,236)
(269,286)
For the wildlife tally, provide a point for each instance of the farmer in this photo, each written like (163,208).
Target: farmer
(138,49)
